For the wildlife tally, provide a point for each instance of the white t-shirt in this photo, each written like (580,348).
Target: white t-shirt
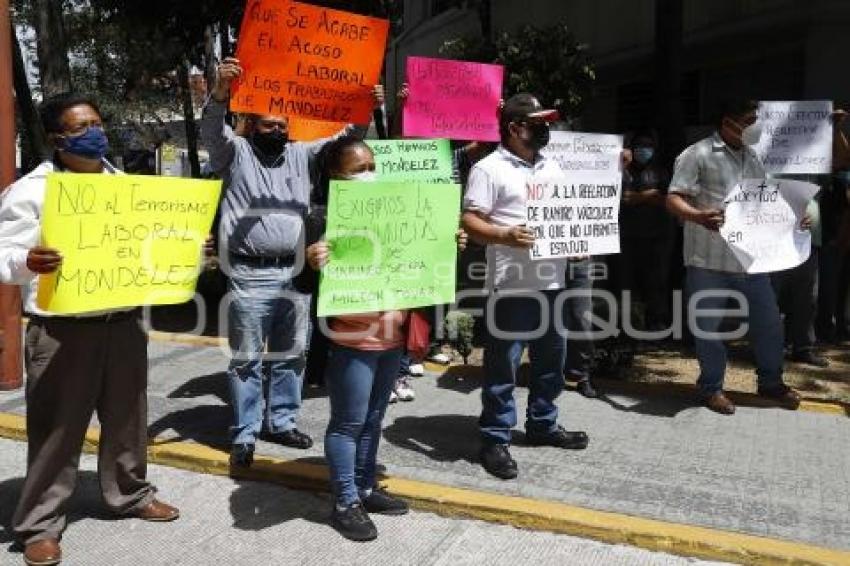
(497,189)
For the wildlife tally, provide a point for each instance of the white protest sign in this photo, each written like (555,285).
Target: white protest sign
(796,137)
(762,224)
(577,214)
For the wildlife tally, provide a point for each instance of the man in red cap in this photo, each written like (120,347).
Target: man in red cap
(521,305)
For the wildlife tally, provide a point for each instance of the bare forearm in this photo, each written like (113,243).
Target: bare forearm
(483,231)
(679,207)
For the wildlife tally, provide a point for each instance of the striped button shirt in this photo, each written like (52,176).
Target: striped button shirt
(707,172)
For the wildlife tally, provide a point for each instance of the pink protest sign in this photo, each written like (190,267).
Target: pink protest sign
(452,99)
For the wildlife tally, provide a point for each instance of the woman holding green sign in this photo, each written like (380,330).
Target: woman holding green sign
(365,354)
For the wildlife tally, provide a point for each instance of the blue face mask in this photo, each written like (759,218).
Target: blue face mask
(643,155)
(92,145)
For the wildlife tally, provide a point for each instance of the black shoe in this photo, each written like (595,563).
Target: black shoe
(353,522)
(382,503)
(559,438)
(585,388)
(809,358)
(241,455)
(497,461)
(293,438)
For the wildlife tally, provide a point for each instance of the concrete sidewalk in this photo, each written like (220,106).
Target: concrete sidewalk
(765,471)
(239,522)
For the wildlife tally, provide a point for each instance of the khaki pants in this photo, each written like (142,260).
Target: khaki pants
(75,367)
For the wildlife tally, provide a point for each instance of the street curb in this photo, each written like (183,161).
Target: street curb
(614,528)
(677,390)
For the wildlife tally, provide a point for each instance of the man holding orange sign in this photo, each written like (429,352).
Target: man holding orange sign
(265,200)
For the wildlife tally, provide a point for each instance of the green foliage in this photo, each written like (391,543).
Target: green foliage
(459,328)
(546,61)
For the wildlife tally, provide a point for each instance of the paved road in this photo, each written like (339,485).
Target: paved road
(766,472)
(230,522)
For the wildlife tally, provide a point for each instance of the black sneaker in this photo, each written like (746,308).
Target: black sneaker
(810,359)
(382,503)
(293,438)
(241,455)
(559,438)
(352,522)
(497,461)
(585,388)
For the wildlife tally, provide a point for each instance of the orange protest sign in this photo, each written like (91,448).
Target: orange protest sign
(310,130)
(308,62)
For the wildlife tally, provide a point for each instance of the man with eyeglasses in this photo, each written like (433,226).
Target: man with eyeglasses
(75,364)
(521,304)
(267,184)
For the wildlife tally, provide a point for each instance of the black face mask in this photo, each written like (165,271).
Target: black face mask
(539,136)
(270,143)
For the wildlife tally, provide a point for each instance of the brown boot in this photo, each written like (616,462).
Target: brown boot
(158,512)
(720,403)
(43,553)
(783,395)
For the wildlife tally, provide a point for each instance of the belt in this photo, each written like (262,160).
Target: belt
(264,261)
(117,316)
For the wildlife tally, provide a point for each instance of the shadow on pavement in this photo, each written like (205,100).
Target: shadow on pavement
(205,424)
(257,506)
(463,379)
(443,438)
(650,405)
(86,503)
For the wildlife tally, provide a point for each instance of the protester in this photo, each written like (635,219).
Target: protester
(75,365)
(646,232)
(365,353)
(578,309)
(834,267)
(264,204)
(521,291)
(796,288)
(704,175)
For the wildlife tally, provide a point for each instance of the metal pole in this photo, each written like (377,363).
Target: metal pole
(10,295)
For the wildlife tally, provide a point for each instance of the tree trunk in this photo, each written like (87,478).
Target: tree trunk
(189,118)
(35,148)
(53,67)
(209,56)
(485,15)
(669,115)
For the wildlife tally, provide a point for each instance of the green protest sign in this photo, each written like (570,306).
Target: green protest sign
(413,160)
(392,245)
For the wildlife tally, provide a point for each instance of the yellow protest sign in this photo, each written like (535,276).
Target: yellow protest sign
(125,240)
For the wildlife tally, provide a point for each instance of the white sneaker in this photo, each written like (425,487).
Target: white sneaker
(393,397)
(440,358)
(416,370)
(404,391)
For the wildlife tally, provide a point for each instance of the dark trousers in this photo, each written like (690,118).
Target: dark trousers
(795,292)
(833,284)
(645,271)
(577,313)
(75,368)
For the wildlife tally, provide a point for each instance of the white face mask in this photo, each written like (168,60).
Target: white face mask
(751,134)
(362,176)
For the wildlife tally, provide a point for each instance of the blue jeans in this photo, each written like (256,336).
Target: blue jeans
(359,384)
(502,355)
(765,326)
(265,313)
